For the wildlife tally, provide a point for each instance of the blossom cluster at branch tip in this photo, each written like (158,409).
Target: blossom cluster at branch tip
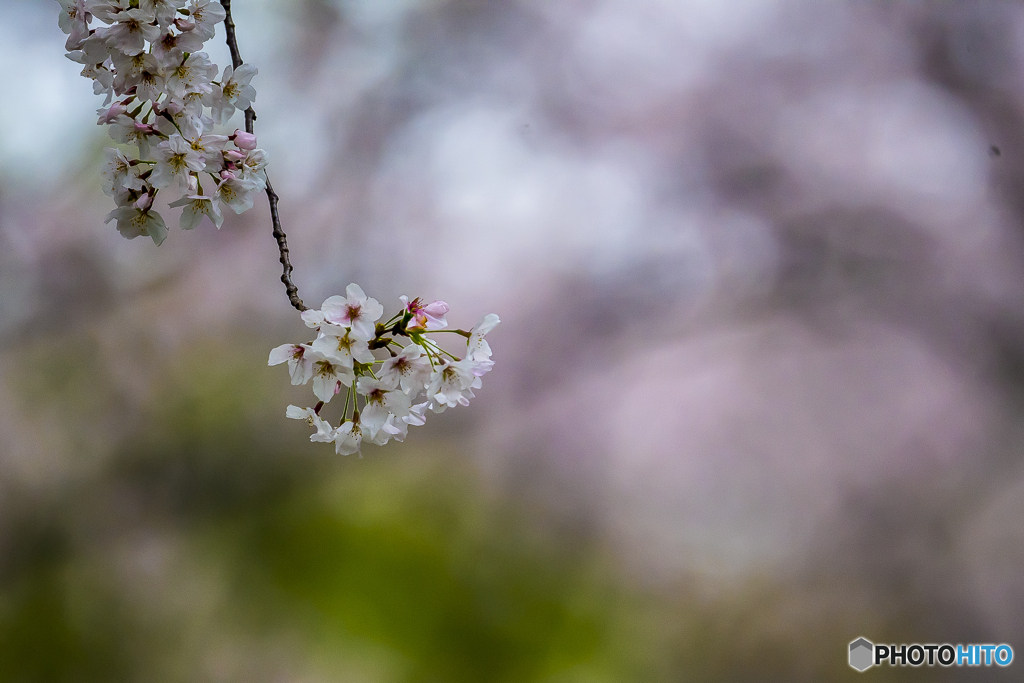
(163,98)
(381,395)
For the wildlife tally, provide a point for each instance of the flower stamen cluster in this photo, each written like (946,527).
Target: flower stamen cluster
(381,394)
(163,97)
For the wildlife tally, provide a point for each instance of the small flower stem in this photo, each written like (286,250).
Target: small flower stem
(462,332)
(450,355)
(344,412)
(250,118)
(437,349)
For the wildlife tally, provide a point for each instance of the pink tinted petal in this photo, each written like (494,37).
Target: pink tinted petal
(436,309)
(244,140)
(335,310)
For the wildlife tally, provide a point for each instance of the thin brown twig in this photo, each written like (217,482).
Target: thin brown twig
(250,119)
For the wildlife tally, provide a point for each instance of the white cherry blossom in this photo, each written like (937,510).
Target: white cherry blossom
(478,348)
(233,92)
(252,166)
(236,193)
(171,46)
(348,438)
(103,81)
(195,206)
(164,10)
(205,15)
(191,76)
(150,86)
(130,32)
(90,51)
(74,20)
(133,222)
(209,147)
(175,160)
(393,428)
(355,310)
(410,369)
(313,318)
(417,416)
(328,378)
(450,384)
(338,345)
(383,395)
(130,132)
(119,174)
(130,70)
(146,59)
(108,11)
(381,399)
(324,432)
(176,118)
(300,359)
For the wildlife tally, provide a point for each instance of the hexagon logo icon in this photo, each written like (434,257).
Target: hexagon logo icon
(862,654)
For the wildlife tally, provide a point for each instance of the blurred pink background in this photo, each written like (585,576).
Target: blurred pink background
(758,263)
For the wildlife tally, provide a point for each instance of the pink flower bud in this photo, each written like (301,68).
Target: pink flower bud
(110,114)
(244,140)
(226,175)
(430,317)
(193,184)
(436,309)
(233,156)
(144,202)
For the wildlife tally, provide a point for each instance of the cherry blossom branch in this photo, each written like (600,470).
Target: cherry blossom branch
(250,118)
(156,102)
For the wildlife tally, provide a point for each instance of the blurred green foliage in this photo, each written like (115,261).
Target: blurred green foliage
(212,543)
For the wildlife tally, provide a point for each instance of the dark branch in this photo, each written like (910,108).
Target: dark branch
(250,119)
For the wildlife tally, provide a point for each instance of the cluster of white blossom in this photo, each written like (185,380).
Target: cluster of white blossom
(381,394)
(145,58)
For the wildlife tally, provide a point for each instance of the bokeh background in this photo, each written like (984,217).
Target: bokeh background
(760,377)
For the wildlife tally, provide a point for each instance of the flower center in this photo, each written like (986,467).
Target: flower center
(324,368)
